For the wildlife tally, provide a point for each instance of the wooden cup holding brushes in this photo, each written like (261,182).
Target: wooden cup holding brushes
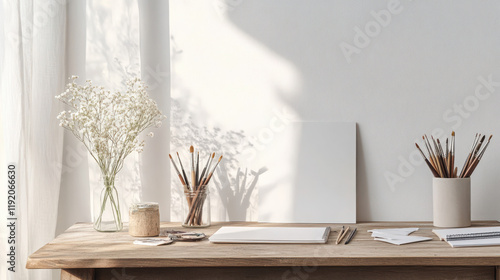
(195,191)
(441,161)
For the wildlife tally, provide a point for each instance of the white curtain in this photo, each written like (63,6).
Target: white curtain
(32,73)
(43,43)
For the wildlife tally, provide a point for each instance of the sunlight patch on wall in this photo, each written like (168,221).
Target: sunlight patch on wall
(231,95)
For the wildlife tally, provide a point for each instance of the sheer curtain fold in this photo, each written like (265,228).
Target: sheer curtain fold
(34,67)
(32,74)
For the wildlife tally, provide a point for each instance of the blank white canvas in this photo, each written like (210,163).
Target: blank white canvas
(311,174)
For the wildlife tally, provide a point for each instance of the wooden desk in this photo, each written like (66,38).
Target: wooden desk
(83,253)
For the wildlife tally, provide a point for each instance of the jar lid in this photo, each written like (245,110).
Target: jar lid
(144,206)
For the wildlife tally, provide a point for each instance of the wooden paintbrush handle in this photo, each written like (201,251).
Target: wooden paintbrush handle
(471,168)
(466,166)
(452,165)
(434,172)
(193,180)
(439,170)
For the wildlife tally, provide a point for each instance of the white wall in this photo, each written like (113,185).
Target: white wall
(237,65)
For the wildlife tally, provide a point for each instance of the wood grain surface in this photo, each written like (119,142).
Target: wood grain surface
(83,247)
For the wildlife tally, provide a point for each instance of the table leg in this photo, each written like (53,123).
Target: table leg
(78,274)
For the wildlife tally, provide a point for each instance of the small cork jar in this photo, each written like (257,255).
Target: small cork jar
(144,219)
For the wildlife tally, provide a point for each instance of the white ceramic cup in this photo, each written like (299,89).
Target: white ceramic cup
(451,202)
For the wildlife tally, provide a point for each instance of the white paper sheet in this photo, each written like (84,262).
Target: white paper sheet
(396,231)
(397,236)
(404,239)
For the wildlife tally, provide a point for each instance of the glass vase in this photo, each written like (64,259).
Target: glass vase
(106,203)
(196,209)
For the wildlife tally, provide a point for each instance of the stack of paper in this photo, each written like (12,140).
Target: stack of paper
(469,237)
(271,235)
(397,236)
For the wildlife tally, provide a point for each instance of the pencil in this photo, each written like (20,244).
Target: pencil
(349,238)
(340,234)
(343,235)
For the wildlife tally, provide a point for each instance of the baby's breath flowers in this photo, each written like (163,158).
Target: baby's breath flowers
(109,123)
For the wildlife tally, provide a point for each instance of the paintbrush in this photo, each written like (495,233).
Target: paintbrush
(452,154)
(441,159)
(448,158)
(193,175)
(208,169)
(476,160)
(197,204)
(434,172)
(436,157)
(178,173)
(205,168)
(464,168)
(452,157)
(479,146)
(473,158)
(446,150)
(197,169)
(183,172)
(211,173)
(431,154)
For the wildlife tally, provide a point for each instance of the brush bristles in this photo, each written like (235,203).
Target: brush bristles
(442,158)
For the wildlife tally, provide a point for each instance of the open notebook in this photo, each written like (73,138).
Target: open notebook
(271,235)
(470,237)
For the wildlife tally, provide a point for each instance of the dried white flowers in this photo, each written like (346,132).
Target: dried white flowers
(109,123)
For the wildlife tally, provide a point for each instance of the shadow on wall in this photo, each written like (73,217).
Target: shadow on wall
(237,199)
(235,195)
(303,34)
